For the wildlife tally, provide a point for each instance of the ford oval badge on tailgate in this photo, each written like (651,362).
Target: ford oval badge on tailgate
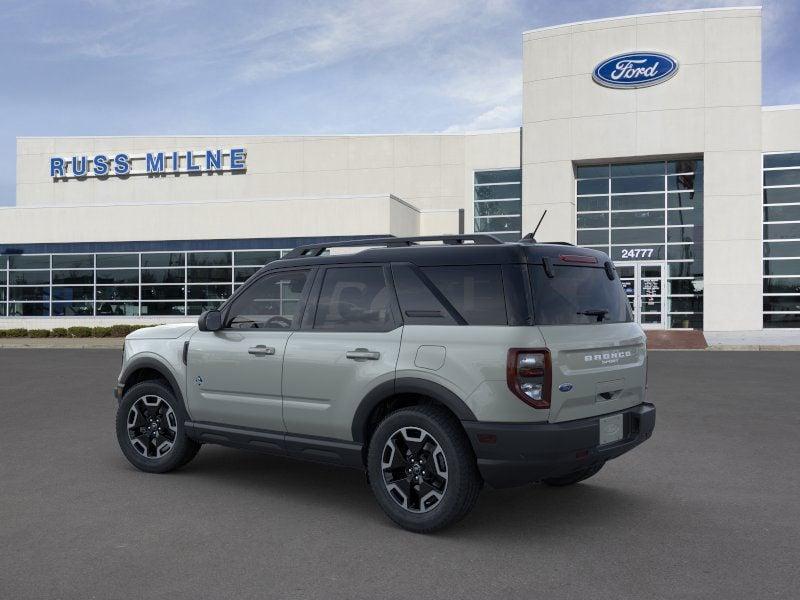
(565,387)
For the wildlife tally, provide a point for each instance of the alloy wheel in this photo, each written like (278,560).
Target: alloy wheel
(152,426)
(414,469)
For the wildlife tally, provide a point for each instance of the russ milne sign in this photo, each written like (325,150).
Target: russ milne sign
(635,70)
(151,163)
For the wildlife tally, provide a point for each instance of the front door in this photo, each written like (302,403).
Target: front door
(644,285)
(234,375)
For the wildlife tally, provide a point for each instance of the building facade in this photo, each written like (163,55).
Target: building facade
(642,136)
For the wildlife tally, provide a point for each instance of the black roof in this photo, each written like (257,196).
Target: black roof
(454,250)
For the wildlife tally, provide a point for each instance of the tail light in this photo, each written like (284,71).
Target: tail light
(528,373)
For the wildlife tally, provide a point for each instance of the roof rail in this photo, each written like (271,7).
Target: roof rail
(312,250)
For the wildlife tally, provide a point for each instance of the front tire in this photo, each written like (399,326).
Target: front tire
(422,469)
(150,429)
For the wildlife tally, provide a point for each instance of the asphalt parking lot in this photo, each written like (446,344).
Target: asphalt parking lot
(708,508)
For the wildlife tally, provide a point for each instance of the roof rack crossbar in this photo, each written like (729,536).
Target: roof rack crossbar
(313,250)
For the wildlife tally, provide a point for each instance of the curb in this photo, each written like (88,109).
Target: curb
(62,343)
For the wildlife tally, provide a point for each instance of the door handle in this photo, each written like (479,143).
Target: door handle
(362,354)
(261,350)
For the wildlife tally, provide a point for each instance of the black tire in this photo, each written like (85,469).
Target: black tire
(463,482)
(575,477)
(181,449)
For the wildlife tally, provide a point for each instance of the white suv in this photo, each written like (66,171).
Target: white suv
(433,367)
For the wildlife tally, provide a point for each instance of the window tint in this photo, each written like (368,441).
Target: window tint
(417,303)
(272,302)
(476,292)
(573,291)
(354,299)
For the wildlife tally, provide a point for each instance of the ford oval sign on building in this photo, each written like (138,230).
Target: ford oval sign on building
(635,70)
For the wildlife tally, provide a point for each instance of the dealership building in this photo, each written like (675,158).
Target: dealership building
(642,136)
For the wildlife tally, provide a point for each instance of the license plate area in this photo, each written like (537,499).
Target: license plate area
(612,429)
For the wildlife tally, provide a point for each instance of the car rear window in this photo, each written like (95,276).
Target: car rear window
(577,296)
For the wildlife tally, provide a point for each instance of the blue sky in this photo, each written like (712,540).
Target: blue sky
(101,67)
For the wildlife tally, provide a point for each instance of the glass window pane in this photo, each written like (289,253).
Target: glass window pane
(163,259)
(782,213)
(652,168)
(162,292)
(592,237)
(680,252)
(73,277)
(209,259)
(501,224)
(782,249)
(27,261)
(593,203)
(163,275)
(162,308)
(591,171)
(490,192)
(638,252)
(256,258)
(2,294)
(782,303)
(782,267)
(683,182)
(242,274)
(782,195)
(637,184)
(28,309)
(487,209)
(637,202)
(2,309)
(782,160)
(685,199)
(694,304)
(593,220)
(73,309)
(29,293)
(775,321)
(209,292)
(114,261)
(197,308)
(782,231)
(208,275)
(782,285)
(417,303)
(499,176)
(685,286)
(354,299)
(118,276)
(680,234)
(3,261)
(72,292)
(117,309)
(684,166)
(637,236)
(271,302)
(637,219)
(593,186)
(29,277)
(73,261)
(122,292)
(476,292)
(684,217)
(686,321)
(788,177)
(2,278)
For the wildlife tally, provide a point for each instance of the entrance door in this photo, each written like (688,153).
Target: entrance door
(644,286)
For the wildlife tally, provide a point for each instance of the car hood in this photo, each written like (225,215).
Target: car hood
(162,332)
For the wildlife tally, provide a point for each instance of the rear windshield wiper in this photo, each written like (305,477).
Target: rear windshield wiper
(600,313)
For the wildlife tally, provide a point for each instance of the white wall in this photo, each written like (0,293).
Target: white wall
(712,107)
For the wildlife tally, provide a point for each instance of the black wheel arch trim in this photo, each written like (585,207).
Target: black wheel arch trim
(407,385)
(148,362)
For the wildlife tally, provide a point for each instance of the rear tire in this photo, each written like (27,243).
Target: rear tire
(573,478)
(150,428)
(422,469)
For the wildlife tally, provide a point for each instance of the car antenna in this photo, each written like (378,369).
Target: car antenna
(531,237)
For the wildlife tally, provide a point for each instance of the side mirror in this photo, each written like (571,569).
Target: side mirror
(210,320)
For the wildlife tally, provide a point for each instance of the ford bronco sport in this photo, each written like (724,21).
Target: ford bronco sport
(435,368)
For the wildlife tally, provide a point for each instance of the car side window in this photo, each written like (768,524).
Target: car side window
(475,291)
(354,299)
(418,304)
(272,302)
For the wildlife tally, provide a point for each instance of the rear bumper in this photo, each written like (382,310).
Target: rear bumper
(528,452)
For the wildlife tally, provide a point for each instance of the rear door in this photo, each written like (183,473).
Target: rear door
(347,346)
(234,374)
(598,353)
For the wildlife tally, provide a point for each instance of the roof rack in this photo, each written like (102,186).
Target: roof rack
(312,250)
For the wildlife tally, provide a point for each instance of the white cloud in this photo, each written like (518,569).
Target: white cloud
(497,117)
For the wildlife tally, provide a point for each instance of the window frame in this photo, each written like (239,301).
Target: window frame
(312,306)
(225,307)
